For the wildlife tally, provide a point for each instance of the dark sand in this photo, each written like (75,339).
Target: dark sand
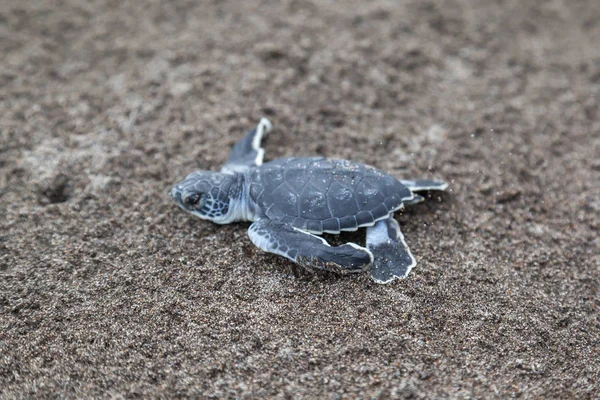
(108,289)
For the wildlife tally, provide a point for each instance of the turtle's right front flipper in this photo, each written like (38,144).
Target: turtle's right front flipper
(247,152)
(306,249)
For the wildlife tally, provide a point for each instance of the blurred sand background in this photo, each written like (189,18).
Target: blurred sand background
(107,289)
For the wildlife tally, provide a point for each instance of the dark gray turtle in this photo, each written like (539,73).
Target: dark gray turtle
(292,200)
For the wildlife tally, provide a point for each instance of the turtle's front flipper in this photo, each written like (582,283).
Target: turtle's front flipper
(392,257)
(247,152)
(306,249)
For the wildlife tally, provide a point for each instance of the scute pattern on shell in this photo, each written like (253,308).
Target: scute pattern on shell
(325,195)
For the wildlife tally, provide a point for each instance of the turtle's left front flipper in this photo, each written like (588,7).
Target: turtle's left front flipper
(391,256)
(307,249)
(247,152)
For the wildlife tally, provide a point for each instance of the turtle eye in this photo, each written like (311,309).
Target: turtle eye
(192,200)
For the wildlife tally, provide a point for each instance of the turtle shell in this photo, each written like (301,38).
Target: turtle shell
(319,194)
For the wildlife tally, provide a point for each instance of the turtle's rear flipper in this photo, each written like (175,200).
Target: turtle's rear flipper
(417,198)
(421,185)
(306,249)
(247,152)
(392,257)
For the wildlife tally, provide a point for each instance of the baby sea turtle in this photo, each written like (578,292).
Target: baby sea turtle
(292,200)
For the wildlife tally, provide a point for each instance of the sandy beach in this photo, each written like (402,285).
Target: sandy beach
(109,290)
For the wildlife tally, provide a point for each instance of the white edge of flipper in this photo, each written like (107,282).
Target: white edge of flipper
(264,126)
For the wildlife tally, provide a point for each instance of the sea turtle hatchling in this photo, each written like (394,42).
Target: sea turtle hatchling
(292,200)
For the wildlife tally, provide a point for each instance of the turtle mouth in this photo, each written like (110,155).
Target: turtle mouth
(175,193)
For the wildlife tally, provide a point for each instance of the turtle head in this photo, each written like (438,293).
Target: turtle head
(207,195)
